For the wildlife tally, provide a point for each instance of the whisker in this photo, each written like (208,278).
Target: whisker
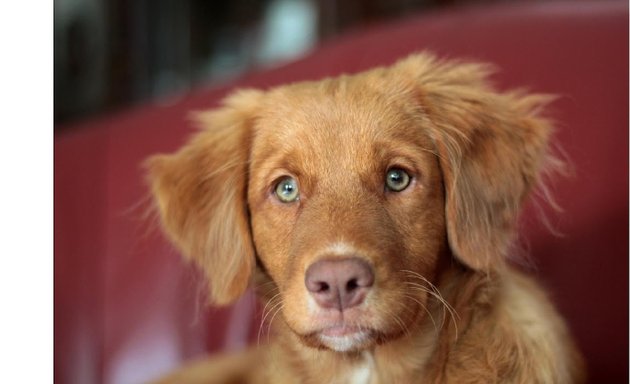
(433,291)
(266,314)
(273,317)
(431,294)
(445,305)
(259,288)
(437,295)
(424,308)
(400,323)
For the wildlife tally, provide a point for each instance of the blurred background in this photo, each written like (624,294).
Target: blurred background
(128,73)
(115,53)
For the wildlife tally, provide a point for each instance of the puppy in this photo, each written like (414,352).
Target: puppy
(373,214)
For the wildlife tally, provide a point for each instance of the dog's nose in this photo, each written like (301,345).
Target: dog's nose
(339,284)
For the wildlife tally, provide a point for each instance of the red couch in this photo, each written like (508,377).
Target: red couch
(126,308)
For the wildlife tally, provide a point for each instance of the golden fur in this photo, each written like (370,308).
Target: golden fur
(446,306)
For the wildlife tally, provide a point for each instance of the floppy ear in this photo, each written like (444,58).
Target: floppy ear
(492,148)
(200,193)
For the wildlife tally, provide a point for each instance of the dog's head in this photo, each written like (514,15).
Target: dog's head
(348,194)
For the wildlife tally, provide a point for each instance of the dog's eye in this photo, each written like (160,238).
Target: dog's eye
(287,190)
(396,179)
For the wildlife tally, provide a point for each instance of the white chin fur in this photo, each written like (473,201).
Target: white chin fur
(344,343)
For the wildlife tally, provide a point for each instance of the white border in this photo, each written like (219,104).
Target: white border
(26,191)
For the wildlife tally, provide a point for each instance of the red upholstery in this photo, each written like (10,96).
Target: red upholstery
(126,309)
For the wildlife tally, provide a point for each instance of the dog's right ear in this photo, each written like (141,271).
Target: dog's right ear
(200,193)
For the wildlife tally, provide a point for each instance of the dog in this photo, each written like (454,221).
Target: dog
(374,214)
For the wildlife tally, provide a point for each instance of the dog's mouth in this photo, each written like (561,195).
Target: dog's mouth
(347,338)
(341,330)
(341,337)
(353,330)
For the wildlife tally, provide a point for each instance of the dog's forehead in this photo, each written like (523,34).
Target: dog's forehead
(339,105)
(346,117)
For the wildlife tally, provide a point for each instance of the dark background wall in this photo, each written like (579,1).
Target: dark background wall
(116,53)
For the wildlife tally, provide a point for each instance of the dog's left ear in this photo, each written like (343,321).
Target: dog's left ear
(492,148)
(200,193)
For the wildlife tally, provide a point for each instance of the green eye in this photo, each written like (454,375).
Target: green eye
(287,190)
(396,179)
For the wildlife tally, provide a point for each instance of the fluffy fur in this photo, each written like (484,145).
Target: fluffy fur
(446,306)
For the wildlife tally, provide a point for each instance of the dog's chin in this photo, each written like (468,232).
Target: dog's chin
(346,339)
(342,338)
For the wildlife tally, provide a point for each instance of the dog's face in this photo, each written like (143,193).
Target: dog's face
(346,203)
(352,192)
